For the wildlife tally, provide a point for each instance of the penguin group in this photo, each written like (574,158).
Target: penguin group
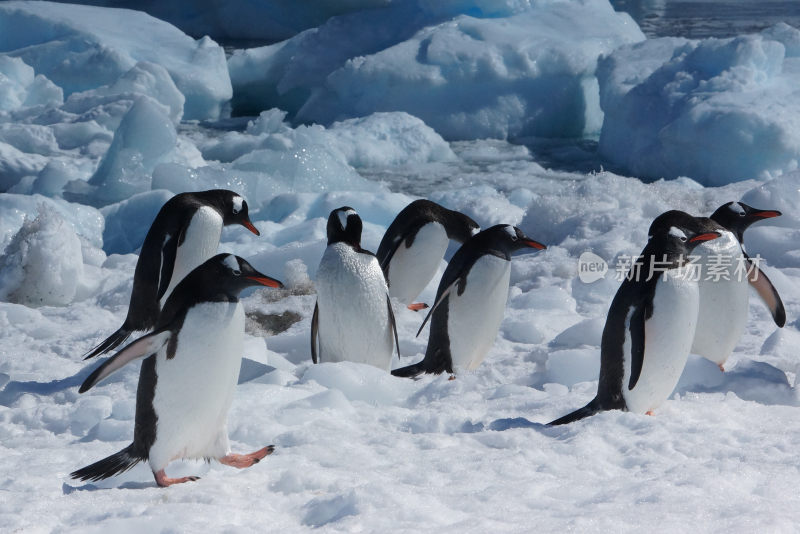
(185,308)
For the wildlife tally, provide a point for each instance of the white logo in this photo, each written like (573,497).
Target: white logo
(591,267)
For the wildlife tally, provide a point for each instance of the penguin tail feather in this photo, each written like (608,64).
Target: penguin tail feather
(409,371)
(108,467)
(590,409)
(110,343)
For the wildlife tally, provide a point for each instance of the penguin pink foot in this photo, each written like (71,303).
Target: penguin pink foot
(163,480)
(650,413)
(417,306)
(240,461)
(722,368)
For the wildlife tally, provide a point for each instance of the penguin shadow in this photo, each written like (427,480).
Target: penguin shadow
(749,380)
(251,370)
(14,389)
(66,489)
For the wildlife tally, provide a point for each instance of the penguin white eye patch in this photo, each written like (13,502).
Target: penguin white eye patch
(231,263)
(737,208)
(237,204)
(511,232)
(677,232)
(343,215)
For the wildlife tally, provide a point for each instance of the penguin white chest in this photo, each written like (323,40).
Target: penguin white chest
(474,317)
(353,308)
(413,267)
(195,388)
(200,242)
(668,337)
(724,298)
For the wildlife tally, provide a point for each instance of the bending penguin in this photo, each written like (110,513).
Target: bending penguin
(414,244)
(184,234)
(353,318)
(724,293)
(190,371)
(470,302)
(651,322)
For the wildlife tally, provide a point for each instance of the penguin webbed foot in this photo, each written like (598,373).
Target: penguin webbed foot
(163,480)
(721,367)
(241,461)
(417,306)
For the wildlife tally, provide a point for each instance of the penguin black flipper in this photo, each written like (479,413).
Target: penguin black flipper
(314,333)
(142,347)
(439,300)
(636,332)
(168,253)
(763,286)
(393,324)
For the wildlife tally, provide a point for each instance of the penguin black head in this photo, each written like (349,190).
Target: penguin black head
(231,206)
(676,233)
(738,216)
(344,225)
(458,226)
(507,239)
(228,275)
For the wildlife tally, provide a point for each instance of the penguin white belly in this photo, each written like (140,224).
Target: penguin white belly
(474,317)
(353,308)
(200,243)
(412,268)
(668,337)
(724,296)
(194,389)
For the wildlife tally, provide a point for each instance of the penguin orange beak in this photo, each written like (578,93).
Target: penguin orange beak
(249,226)
(766,214)
(705,237)
(266,281)
(534,244)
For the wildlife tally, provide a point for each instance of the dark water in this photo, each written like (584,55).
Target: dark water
(698,19)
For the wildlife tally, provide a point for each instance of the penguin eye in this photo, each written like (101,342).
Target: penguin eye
(237,272)
(683,238)
(235,211)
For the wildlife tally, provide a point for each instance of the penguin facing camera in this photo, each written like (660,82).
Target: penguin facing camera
(353,318)
(188,376)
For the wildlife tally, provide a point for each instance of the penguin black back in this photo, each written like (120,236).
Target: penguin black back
(407,223)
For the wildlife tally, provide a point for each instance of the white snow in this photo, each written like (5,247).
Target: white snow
(93,112)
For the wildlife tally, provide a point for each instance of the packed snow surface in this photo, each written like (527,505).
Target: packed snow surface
(84,170)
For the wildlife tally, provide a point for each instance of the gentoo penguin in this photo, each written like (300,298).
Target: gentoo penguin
(184,234)
(187,380)
(724,293)
(414,244)
(470,302)
(353,318)
(651,322)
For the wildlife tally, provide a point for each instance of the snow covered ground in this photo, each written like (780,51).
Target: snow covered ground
(83,170)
